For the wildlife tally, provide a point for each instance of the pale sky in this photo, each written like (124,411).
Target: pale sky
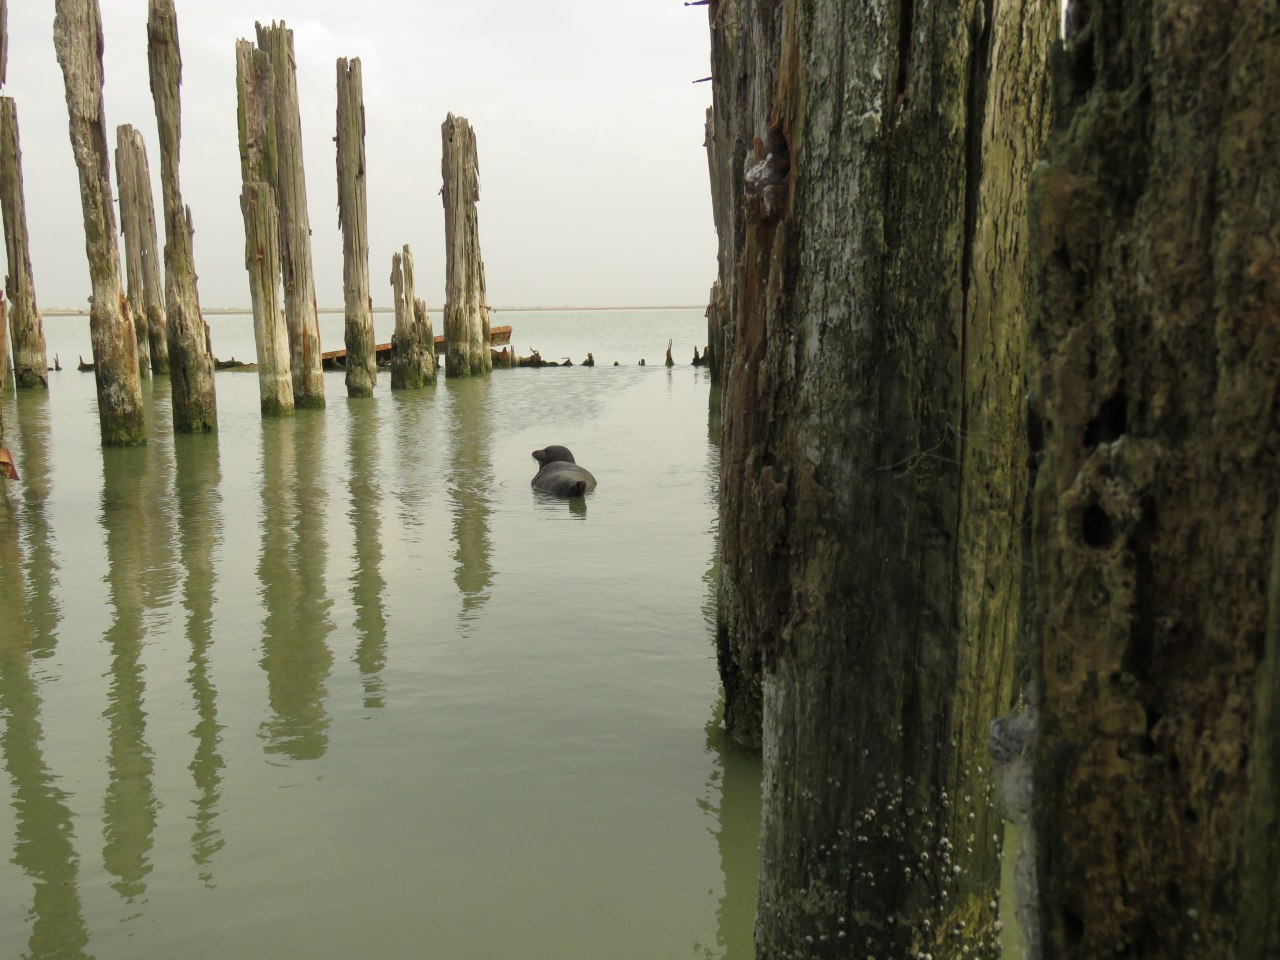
(593,176)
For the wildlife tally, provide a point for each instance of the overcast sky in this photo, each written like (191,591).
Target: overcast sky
(593,177)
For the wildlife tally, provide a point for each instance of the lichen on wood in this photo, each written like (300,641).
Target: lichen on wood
(77,37)
(413,358)
(30,357)
(466,310)
(353,220)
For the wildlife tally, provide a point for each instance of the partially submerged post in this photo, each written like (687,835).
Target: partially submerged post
(466,315)
(195,406)
(77,37)
(255,98)
(30,359)
(295,223)
(138,219)
(353,220)
(413,357)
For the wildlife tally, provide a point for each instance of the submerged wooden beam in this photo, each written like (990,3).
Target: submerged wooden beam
(30,357)
(77,37)
(413,359)
(195,406)
(353,220)
(256,112)
(138,224)
(466,313)
(295,223)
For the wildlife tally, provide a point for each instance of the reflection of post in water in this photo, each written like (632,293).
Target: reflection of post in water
(367,585)
(129,808)
(735,776)
(199,531)
(292,573)
(41,566)
(470,480)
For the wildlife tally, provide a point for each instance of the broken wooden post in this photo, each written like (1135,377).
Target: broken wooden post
(77,37)
(413,356)
(295,223)
(138,216)
(256,111)
(353,220)
(30,360)
(195,406)
(466,315)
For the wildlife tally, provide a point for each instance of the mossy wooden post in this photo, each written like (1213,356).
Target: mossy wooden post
(466,313)
(1156,364)
(30,358)
(256,113)
(131,230)
(195,406)
(146,291)
(353,220)
(873,474)
(413,355)
(295,222)
(77,37)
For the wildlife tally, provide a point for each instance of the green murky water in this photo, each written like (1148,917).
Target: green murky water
(342,685)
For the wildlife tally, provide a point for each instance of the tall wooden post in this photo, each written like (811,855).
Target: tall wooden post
(353,220)
(195,407)
(77,37)
(30,357)
(295,222)
(413,354)
(131,230)
(146,299)
(256,110)
(466,313)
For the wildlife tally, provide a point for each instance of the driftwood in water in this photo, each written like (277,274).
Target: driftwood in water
(256,112)
(195,406)
(77,37)
(295,223)
(353,220)
(30,360)
(466,314)
(413,358)
(142,258)
(670,361)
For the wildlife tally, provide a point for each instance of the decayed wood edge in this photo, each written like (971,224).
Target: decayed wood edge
(30,355)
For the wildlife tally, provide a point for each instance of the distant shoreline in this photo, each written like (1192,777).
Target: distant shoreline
(235,311)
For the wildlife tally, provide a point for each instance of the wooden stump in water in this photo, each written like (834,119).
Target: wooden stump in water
(131,230)
(30,357)
(353,220)
(255,99)
(295,223)
(195,406)
(142,250)
(413,359)
(77,37)
(466,314)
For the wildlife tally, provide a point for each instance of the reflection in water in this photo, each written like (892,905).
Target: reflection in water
(470,483)
(367,585)
(129,807)
(414,414)
(199,529)
(295,654)
(41,568)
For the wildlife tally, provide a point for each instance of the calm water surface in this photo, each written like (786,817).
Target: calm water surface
(343,685)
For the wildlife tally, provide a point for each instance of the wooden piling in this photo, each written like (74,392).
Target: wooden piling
(77,38)
(30,358)
(466,314)
(295,223)
(4,40)
(413,357)
(256,111)
(195,406)
(146,300)
(353,220)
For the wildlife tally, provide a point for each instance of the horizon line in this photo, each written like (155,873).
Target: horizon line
(248,311)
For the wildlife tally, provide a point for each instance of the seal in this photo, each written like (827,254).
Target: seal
(559,473)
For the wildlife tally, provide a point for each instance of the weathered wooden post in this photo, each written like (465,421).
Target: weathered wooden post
(30,358)
(353,220)
(295,222)
(195,406)
(256,110)
(138,216)
(466,314)
(77,37)
(413,355)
